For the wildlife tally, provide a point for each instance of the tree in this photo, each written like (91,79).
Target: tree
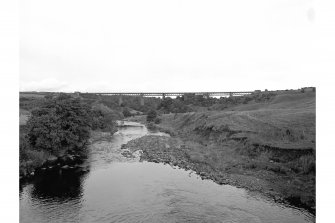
(126,112)
(104,118)
(60,124)
(166,104)
(152,114)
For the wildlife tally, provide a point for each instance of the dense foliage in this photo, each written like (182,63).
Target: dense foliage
(126,112)
(169,105)
(132,102)
(103,118)
(59,124)
(152,115)
(29,103)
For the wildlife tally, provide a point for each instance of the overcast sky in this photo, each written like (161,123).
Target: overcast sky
(174,45)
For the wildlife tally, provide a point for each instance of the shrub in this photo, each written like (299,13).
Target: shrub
(169,105)
(306,164)
(103,118)
(23,147)
(59,124)
(152,115)
(157,120)
(126,112)
(151,126)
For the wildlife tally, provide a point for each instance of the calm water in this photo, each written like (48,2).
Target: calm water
(119,189)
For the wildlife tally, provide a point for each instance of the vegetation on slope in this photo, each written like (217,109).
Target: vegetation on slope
(132,102)
(270,148)
(264,141)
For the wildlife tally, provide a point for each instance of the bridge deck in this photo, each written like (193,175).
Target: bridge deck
(174,93)
(159,94)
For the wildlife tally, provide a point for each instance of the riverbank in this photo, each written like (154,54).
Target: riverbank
(41,161)
(224,166)
(270,150)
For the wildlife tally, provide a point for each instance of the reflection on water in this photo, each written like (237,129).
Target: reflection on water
(60,187)
(53,197)
(119,189)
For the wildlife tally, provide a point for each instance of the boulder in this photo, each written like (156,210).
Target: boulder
(68,159)
(128,154)
(65,167)
(52,159)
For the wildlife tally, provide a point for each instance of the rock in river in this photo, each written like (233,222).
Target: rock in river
(65,167)
(128,154)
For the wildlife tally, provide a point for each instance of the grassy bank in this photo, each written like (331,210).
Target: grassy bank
(266,147)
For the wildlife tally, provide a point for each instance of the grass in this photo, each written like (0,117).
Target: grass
(273,142)
(290,128)
(305,164)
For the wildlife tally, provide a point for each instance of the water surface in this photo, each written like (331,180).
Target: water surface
(120,189)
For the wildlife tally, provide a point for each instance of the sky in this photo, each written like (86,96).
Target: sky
(175,45)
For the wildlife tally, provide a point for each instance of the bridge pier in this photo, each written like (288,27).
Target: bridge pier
(230,94)
(163,96)
(141,100)
(120,100)
(185,97)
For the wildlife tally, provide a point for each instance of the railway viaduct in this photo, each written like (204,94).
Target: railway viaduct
(141,95)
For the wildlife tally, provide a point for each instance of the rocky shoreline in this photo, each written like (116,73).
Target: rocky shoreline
(173,151)
(66,162)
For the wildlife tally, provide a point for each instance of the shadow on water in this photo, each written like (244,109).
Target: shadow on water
(59,186)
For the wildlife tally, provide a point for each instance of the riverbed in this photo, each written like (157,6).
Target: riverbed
(116,188)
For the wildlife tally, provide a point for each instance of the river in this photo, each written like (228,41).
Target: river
(119,189)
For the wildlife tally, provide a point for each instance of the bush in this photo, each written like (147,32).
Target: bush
(59,124)
(152,115)
(306,164)
(169,105)
(126,112)
(157,120)
(103,118)
(23,147)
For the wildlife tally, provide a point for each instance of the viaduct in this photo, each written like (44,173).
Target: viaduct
(141,95)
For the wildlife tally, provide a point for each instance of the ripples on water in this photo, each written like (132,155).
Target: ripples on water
(119,189)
